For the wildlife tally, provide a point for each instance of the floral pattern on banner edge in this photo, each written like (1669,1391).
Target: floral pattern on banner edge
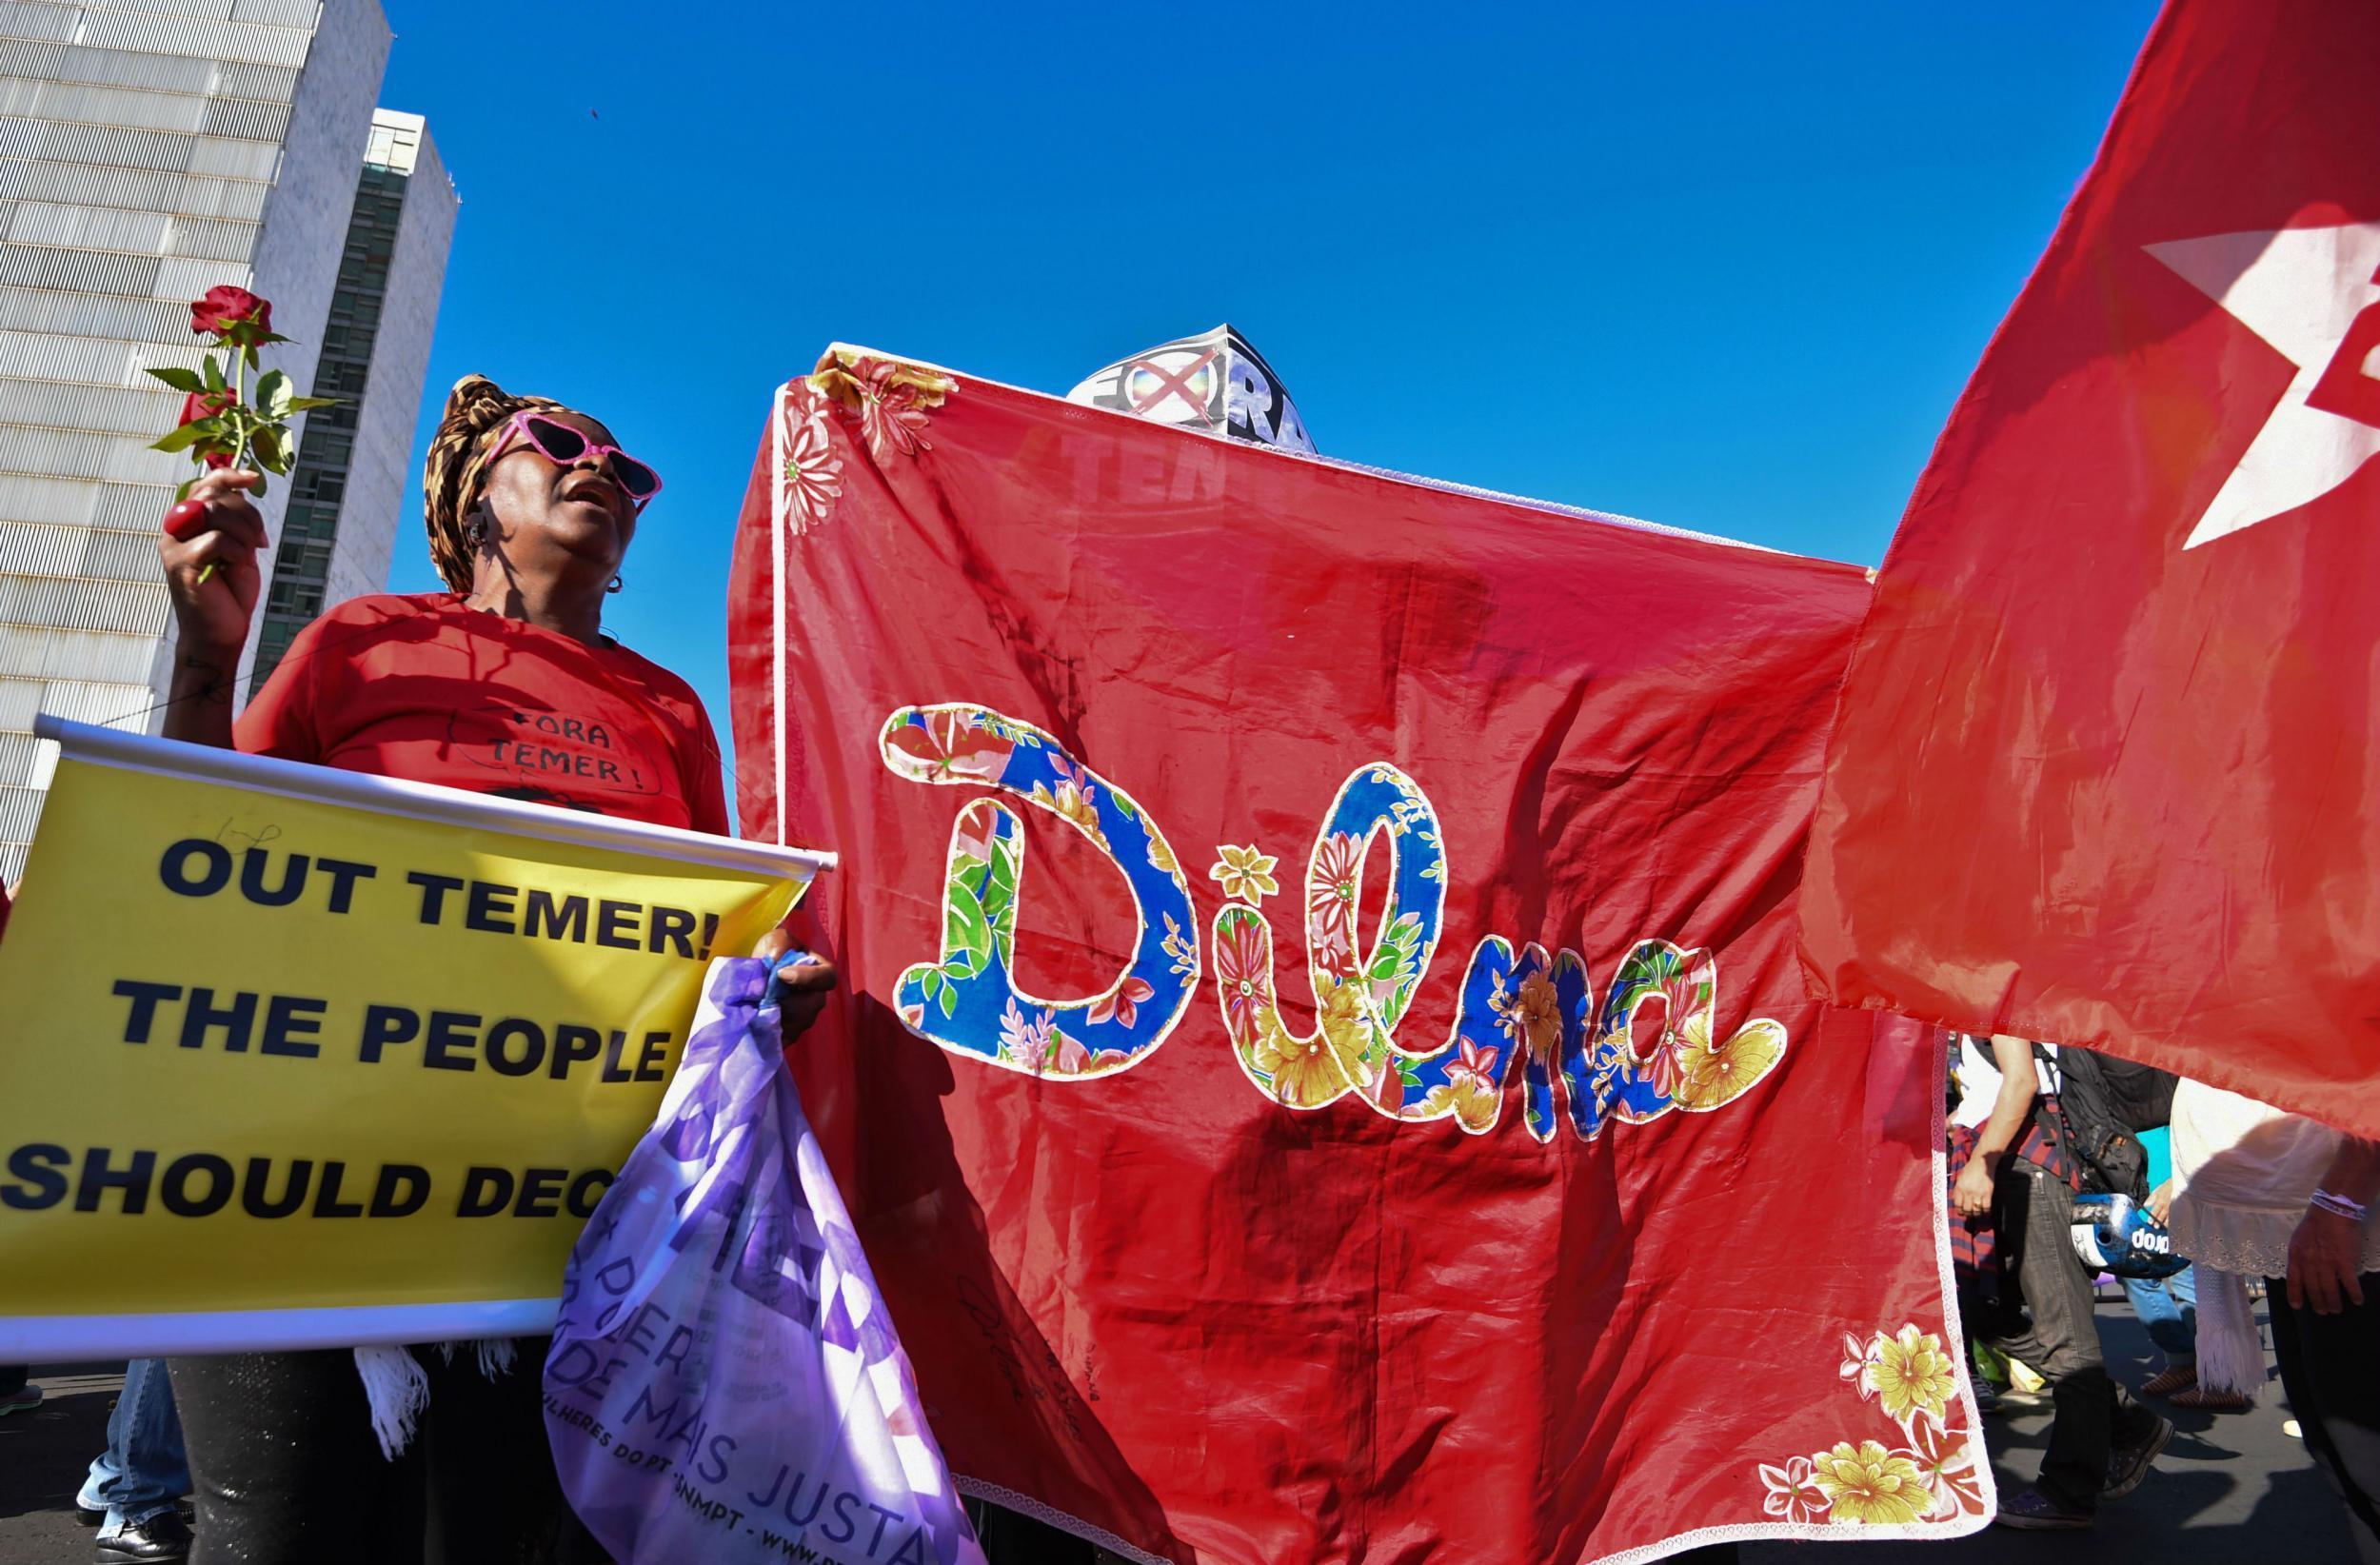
(887,397)
(1927,1470)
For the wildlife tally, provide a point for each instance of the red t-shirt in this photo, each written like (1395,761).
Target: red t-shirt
(427,689)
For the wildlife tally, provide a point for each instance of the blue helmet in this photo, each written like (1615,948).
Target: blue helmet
(2113,1235)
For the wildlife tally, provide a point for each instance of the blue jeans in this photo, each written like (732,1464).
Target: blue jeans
(2170,1310)
(143,1471)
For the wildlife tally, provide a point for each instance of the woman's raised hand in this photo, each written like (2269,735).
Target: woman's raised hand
(210,555)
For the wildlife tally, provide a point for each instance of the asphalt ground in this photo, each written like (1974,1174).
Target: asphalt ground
(2231,1487)
(44,1455)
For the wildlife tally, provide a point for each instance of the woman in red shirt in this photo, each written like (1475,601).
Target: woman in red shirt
(508,686)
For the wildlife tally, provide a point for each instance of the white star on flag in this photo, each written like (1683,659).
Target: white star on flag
(2300,289)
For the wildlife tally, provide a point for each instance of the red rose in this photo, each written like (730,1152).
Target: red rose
(227,310)
(206,406)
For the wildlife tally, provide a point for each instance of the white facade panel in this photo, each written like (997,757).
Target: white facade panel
(246,79)
(78,271)
(211,239)
(206,10)
(285,13)
(92,315)
(182,278)
(34,355)
(118,67)
(34,548)
(135,607)
(113,410)
(114,554)
(133,189)
(53,653)
(84,104)
(207,38)
(246,118)
(235,159)
(92,228)
(104,144)
(29,19)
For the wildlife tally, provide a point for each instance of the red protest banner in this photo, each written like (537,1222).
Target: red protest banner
(1324,1075)
(2104,773)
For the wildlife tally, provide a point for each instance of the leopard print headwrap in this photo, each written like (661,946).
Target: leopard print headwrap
(451,479)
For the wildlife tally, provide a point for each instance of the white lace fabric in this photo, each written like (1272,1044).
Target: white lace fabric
(2242,1172)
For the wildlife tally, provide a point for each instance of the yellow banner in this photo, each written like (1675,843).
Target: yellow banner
(294,1057)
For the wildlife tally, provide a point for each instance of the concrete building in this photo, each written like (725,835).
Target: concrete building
(351,488)
(149,151)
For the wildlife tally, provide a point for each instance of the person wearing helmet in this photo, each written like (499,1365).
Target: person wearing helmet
(2023,1175)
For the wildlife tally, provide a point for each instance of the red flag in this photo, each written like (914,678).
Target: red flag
(2105,770)
(1323,1073)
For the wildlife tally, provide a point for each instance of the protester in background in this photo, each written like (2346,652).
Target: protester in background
(1972,1090)
(2023,1175)
(2112,1105)
(18,1393)
(135,1487)
(530,509)
(2260,1193)
(2168,1308)
(2171,1317)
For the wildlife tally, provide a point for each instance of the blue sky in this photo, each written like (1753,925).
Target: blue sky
(1724,267)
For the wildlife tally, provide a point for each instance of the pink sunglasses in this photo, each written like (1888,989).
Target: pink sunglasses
(563,445)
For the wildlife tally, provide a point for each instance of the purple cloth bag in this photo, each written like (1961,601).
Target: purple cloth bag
(725,1384)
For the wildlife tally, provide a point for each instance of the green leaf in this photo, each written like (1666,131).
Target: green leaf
(963,924)
(214,374)
(1003,879)
(182,493)
(178,440)
(271,451)
(257,490)
(274,395)
(179,378)
(949,1001)
(301,405)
